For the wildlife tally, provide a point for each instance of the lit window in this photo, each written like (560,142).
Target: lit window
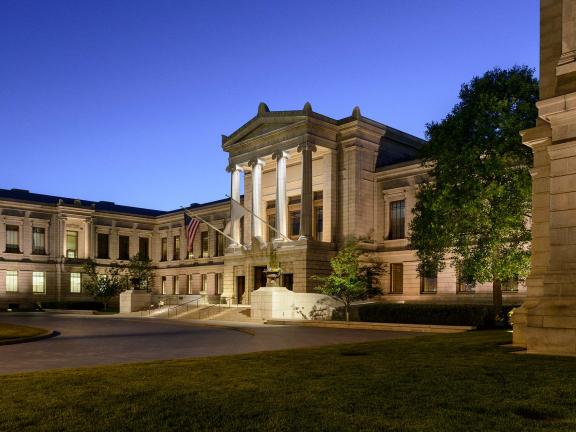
(204,244)
(39,282)
(71,244)
(175,288)
(163,284)
(219,283)
(204,283)
(429,285)
(176,249)
(12,281)
(189,284)
(75,283)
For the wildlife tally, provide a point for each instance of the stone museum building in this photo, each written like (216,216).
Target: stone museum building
(316,180)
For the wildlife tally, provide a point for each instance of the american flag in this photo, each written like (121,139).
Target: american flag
(191,225)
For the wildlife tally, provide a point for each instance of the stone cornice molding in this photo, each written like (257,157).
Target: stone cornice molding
(563,150)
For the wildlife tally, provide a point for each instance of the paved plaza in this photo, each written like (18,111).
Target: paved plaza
(98,340)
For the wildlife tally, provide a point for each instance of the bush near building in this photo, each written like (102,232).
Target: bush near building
(480,316)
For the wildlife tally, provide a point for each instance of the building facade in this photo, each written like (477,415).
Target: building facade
(310,182)
(547,321)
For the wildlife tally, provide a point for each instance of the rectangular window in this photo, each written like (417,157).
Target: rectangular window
(219,283)
(176,248)
(396,278)
(163,249)
(38,241)
(318,223)
(11,281)
(71,244)
(509,286)
(175,287)
(204,284)
(396,220)
(271,224)
(123,247)
(163,284)
(294,226)
(12,239)
(429,285)
(144,247)
(38,282)
(204,244)
(189,283)
(219,245)
(75,282)
(103,246)
(288,281)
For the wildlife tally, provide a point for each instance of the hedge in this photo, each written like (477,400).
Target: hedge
(480,316)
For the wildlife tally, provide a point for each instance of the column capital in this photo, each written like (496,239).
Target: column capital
(280,154)
(256,161)
(233,167)
(306,146)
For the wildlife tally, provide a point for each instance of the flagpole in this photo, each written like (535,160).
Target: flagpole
(258,217)
(210,225)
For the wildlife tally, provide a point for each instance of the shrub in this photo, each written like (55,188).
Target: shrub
(480,316)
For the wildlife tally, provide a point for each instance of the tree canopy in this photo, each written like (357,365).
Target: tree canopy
(475,209)
(106,285)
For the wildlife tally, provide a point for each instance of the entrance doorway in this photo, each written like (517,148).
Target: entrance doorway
(240,288)
(259,277)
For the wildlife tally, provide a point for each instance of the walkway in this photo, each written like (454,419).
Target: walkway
(100,340)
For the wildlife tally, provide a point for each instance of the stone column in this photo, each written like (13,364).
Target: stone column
(257,165)
(281,201)
(566,63)
(306,195)
(235,213)
(88,238)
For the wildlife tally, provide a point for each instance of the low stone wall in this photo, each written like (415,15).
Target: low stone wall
(281,303)
(134,300)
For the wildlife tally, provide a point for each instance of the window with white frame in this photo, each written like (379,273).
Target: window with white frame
(75,282)
(38,240)
(71,244)
(12,239)
(12,281)
(39,282)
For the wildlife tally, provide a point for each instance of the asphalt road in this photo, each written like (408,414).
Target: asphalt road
(99,340)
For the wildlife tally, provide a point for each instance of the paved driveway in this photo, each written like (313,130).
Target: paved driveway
(98,340)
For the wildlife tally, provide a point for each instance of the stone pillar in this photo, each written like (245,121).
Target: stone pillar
(281,200)
(306,195)
(567,61)
(235,211)
(257,165)
(88,238)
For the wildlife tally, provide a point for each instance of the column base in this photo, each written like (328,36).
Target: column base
(546,325)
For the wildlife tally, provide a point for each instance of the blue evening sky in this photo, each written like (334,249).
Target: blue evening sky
(125,100)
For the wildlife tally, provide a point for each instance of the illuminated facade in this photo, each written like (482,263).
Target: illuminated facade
(317,181)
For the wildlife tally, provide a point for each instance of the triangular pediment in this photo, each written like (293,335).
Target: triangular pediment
(264,129)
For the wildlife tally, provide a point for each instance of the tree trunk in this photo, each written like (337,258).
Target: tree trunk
(497,294)
(347,308)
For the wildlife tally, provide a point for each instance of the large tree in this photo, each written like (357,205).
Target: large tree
(475,210)
(105,285)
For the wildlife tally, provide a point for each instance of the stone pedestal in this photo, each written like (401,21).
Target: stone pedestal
(134,300)
(281,303)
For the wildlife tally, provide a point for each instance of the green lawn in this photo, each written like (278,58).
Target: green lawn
(462,382)
(10,332)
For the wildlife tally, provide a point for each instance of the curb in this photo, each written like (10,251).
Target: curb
(46,335)
(356,325)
